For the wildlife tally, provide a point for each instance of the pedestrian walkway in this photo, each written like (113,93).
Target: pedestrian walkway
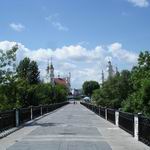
(72,127)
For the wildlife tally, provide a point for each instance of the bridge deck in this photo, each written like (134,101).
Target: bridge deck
(72,127)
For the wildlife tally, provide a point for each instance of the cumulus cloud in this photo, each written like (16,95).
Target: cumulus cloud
(139,3)
(118,52)
(17,27)
(84,64)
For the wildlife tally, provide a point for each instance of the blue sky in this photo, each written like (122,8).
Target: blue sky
(66,24)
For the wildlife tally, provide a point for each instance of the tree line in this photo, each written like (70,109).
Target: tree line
(21,86)
(127,90)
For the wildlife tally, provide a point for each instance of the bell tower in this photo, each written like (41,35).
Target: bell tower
(51,68)
(103,78)
(110,70)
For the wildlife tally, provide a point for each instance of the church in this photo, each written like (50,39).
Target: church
(65,81)
(111,72)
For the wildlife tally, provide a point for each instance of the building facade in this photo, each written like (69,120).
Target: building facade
(51,78)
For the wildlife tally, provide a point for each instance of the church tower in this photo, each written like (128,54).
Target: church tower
(110,70)
(51,68)
(48,72)
(102,77)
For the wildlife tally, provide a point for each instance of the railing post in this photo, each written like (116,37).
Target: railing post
(136,127)
(41,110)
(99,111)
(17,117)
(31,109)
(106,113)
(117,118)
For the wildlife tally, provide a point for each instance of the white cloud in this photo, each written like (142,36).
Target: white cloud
(54,20)
(84,64)
(139,3)
(17,27)
(118,52)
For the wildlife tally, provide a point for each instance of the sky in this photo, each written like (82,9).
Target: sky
(80,35)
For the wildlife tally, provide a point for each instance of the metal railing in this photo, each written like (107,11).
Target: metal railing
(97,110)
(7,120)
(36,111)
(16,117)
(111,115)
(136,125)
(24,115)
(126,122)
(46,109)
(102,112)
(144,130)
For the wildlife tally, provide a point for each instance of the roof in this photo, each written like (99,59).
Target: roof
(60,81)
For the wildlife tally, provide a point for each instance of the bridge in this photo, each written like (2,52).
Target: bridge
(71,127)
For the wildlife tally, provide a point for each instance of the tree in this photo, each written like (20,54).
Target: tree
(44,93)
(60,93)
(8,78)
(26,93)
(114,90)
(89,87)
(129,89)
(139,99)
(23,69)
(7,64)
(28,70)
(33,75)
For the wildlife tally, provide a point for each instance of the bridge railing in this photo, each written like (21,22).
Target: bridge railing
(7,120)
(24,115)
(16,117)
(36,111)
(126,122)
(102,112)
(111,115)
(144,130)
(136,125)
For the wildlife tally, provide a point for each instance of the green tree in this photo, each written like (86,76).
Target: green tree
(28,70)
(139,99)
(60,93)
(23,69)
(33,75)
(89,86)
(7,64)
(114,90)
(44,93)
(26,94)
(8,78)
